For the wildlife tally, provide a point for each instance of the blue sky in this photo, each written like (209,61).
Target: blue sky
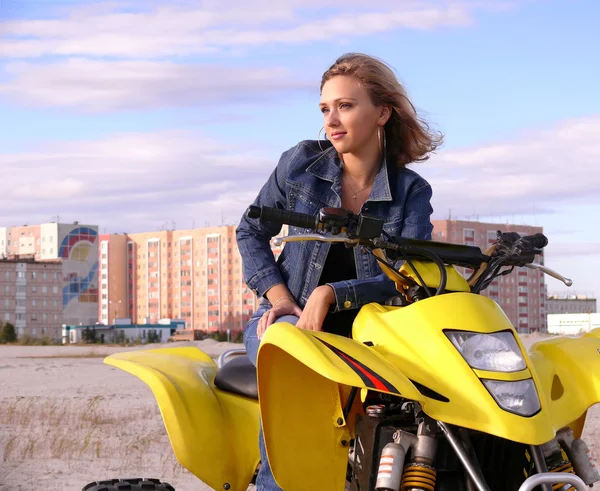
(133,114)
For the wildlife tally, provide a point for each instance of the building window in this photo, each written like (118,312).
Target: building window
(20,274)
(34,275)
(54,289)
(44,289)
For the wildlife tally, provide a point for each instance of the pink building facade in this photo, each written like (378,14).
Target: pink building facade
(521,294)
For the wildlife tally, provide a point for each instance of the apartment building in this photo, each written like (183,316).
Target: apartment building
(31,296)
(115,278)
(522,294)
(194,275)
(76,246)
(570,304)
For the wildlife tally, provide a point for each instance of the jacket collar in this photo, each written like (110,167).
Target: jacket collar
(329,168)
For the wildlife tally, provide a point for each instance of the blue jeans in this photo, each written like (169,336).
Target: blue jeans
(265,480)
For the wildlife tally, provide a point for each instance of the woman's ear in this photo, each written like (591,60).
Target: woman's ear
(384,115)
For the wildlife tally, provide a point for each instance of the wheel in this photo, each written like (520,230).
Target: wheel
(137,484)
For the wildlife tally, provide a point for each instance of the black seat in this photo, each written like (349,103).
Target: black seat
(238,376)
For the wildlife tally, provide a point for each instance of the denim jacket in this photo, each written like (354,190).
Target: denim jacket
(305,180)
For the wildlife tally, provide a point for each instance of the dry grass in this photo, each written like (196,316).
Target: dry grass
(71,431)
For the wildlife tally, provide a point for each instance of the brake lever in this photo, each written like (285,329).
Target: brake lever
(550,272)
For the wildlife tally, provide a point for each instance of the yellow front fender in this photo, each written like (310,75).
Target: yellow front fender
(569,373)
(302,401)
(214,434)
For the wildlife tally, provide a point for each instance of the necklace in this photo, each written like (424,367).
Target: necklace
(355,195)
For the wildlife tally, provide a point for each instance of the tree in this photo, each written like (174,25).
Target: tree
(8,334)
(153,336)
(89,335)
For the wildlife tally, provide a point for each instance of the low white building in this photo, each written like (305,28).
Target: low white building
(572,324)
(119,333)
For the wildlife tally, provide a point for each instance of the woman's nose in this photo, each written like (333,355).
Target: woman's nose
(332,119)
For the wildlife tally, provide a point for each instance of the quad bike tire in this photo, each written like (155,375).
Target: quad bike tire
(137,484)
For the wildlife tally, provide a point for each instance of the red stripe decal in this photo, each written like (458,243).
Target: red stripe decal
(368,376)
(376,382)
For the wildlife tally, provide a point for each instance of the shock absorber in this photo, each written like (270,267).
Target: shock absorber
(391,463)
(564,466)
(419,474)
(567,454)
(418,477)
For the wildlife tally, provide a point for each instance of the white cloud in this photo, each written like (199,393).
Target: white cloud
(120,180)
(190,28)
(573,249)
(185,176)
(545,169)
(102,86)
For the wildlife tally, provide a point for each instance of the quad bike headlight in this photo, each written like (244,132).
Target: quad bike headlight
(495,352)
(519,397)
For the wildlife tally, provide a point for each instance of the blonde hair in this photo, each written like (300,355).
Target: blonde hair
(408,137)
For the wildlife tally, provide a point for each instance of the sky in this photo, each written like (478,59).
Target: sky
(142,115)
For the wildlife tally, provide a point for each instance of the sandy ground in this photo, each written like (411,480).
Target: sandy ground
(67,419)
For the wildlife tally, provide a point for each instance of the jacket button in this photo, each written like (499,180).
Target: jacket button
(347,304)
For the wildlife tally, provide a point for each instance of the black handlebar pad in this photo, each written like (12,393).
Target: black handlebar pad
(283,217)
(539,241)
(449,253)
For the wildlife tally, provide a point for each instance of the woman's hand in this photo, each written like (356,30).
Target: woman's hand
(285,307)
(316,308)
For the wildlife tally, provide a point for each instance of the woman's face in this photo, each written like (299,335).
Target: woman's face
(350,118)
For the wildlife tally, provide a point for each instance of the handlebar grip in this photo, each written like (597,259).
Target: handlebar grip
(539,240)
(283,217)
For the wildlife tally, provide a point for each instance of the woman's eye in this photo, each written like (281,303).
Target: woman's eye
(324,110)
(345,105)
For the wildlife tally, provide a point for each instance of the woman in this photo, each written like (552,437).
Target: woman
(373,132)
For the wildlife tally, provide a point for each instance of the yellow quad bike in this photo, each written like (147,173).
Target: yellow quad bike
(436,393)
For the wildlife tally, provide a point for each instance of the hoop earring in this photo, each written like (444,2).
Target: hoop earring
(319,138)
(379,140)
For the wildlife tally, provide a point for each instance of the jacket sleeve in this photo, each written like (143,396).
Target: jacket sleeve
(260,270)
(353,294)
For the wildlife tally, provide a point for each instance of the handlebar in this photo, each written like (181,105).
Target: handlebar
(511,249)
(283,217)
(365,229)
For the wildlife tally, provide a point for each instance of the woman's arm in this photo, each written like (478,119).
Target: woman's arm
(260,270)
